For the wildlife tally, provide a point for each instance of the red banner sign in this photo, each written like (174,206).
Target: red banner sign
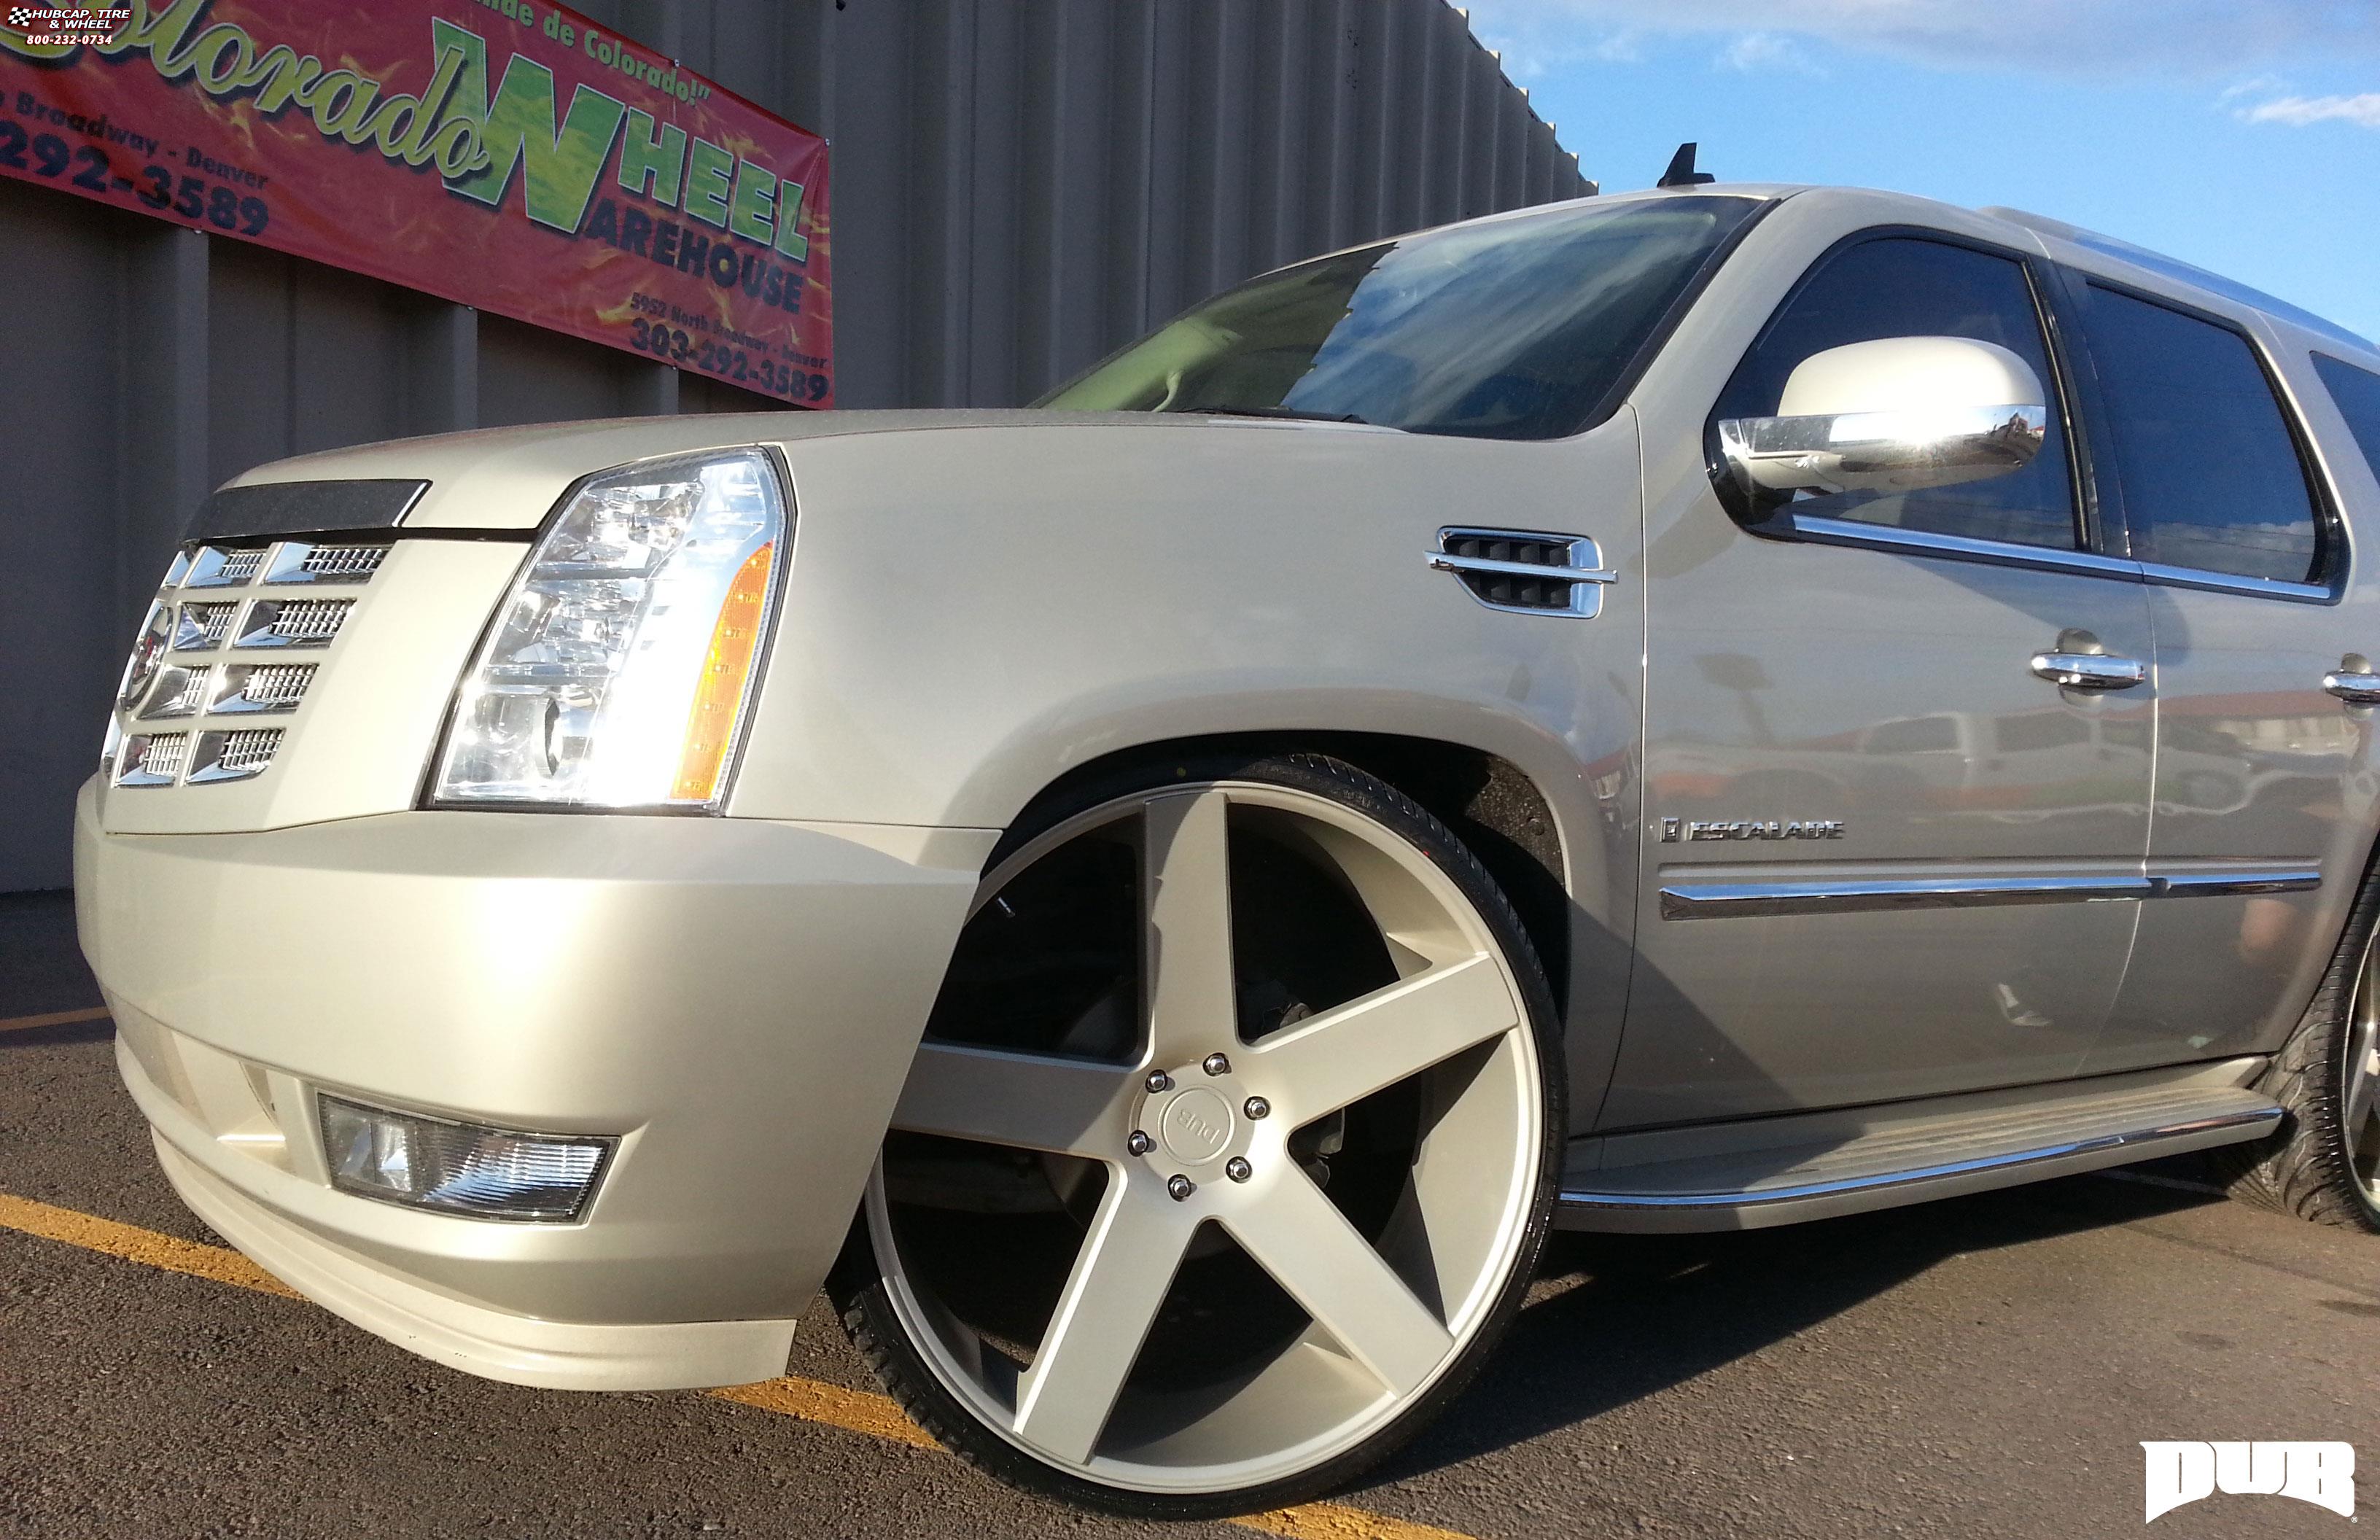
(502,153)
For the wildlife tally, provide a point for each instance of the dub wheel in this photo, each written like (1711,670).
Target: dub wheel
(2326,1164)
(1228,1153)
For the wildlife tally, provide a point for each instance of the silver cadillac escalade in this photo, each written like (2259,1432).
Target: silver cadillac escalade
(1688,710)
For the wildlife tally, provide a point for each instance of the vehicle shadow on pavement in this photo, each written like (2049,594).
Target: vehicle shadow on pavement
(1615,1318)
(97,1031)
(41,961)
(43,972)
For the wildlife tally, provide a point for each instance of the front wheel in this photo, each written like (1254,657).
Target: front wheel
(1230,1150)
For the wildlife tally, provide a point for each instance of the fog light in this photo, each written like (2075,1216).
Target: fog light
(460,1167)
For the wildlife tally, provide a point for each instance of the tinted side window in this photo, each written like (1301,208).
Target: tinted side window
(1906,287)
(2211,478)
(2357,391)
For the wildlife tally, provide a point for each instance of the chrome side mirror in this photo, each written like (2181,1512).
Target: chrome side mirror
(1893,415)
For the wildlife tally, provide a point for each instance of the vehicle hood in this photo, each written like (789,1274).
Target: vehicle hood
(511,477)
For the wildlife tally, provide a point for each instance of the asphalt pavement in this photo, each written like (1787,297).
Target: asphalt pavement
(1979,1367)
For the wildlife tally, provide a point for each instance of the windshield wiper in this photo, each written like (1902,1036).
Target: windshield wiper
(1291,413)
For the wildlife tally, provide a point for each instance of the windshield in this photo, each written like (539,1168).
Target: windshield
(1517,329)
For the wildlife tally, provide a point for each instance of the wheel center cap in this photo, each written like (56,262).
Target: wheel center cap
(1196,1126)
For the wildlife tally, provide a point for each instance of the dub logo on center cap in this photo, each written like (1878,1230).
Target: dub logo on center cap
(1197,1125)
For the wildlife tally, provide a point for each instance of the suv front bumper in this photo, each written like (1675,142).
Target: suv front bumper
(737,1001)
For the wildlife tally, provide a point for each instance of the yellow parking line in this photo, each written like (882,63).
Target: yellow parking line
(135,1244)
(811,1401)
(55,1018)
(814,1401)
(1331,1520)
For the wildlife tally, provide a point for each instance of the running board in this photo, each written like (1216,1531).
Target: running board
(1775,1170)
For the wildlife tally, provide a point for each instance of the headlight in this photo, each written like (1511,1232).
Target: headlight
(619,670)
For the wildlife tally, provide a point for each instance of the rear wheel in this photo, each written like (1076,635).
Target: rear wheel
(1229,1152)
(2325,1165)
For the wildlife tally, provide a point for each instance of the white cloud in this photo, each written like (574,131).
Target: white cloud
(1765,53)
(1619,48)
(2298,112)
(1530,57)
(2185,37)
(2263,85)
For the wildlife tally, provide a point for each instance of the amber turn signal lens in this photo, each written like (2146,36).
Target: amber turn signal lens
(625,652)
(719,698)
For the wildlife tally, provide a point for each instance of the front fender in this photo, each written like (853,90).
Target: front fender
(971,613)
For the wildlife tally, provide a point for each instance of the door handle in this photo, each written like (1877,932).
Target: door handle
(2355,687)
(2092,671)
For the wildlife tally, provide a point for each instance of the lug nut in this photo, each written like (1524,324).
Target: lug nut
(1158,1081)
(1216,1064)
(1237,1169)
(1139,1143)
(1180,1187)
(1257,1107)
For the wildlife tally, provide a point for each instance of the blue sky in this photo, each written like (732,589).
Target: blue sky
(2241,135)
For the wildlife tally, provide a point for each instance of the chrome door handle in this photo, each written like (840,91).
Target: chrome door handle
(2356,689)
(2090,670)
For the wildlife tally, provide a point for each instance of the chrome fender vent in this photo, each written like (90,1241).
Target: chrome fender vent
(1526,572)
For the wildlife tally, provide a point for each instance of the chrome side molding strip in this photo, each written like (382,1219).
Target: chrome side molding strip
(2224,884)
(1885,537)
(2225,582)
(2255,1122)
(1882,536)
(1710,901)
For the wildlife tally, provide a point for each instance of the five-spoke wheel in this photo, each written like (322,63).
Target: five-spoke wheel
(1229,1149)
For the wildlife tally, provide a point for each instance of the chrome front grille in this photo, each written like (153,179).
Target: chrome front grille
(153,760)
(201,627)
(294,622)
(214,567)
(263,686)
(167,682)
(178,692)
(342,563)
(233,756)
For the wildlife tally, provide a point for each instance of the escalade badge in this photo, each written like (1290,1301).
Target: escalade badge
(1676,829)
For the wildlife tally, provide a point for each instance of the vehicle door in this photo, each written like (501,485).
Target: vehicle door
(2264,786)
(1872,830)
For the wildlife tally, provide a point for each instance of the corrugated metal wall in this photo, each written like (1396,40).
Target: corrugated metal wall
(1019,187)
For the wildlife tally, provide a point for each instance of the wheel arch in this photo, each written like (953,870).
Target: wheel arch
(1492,805)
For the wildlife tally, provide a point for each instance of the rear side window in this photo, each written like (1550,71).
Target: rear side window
(1903,286)
(2357,391)
(2212,476)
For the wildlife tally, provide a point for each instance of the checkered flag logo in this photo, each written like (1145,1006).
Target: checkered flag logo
(20,15)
